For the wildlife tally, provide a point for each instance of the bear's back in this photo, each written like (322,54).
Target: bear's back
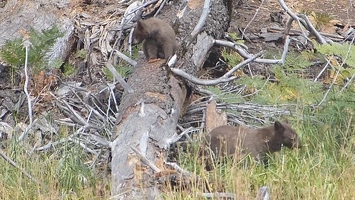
(159,38)
(158,29)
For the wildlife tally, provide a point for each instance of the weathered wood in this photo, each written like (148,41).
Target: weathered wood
(148,116)
(19,16)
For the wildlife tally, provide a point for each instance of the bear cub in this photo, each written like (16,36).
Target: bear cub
(239,140)
(159,38)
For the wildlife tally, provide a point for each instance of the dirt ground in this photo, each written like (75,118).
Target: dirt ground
(256,15)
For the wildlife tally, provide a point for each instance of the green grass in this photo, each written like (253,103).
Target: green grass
(63,174)
(322,169)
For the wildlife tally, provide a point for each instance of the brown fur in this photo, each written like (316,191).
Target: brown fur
(230,140)
(159,38)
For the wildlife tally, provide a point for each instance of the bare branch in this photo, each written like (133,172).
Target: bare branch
(13,163)
(27,45)
(246,55)
(198,81)
(224,78)
(202,20)
(323,70)
(146,161)
(119,78)
(160,7)
(235,68)
(125,58)
(263,193)
(302,19)
(178,168)
(218,195)
(255,14)
(311,28)
(337,73)
(177,137)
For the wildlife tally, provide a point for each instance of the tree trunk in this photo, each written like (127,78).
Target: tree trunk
(148,116)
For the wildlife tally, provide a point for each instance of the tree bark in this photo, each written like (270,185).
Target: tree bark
(148,116)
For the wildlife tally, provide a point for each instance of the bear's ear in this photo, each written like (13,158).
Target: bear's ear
(279,128)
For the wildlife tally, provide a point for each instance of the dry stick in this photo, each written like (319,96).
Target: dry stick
(230,72)
(202,20)
(337,74)
(348,83)
(311,28)
(222,79)
(88,107)
(293,17)
(305,22)
(110,87)
(87,47)
(252,19)
(182,129)
(321,72)
(330,87)
(130,38)
(144,5)
(189,38)
(81,143)
(145,160)
(97,138)
(27,45)
(217,195)
(78,119)
(295,32)
(160,7)
(63,140)
(263,193)
(119,78)
(177,137)
(11,162)
(203,124)
(112,94)
(125,58)
(352,77)
(178,168)
(246,55)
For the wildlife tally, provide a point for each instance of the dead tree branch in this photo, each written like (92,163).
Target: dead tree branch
(302,19)
(225,78)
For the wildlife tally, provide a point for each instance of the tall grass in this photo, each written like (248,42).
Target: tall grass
(62,174)
(323,169)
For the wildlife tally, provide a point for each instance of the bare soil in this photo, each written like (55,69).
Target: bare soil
(254,15)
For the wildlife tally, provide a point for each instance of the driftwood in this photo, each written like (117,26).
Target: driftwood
(148,117)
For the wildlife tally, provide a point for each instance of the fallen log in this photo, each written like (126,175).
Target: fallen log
(148,116)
